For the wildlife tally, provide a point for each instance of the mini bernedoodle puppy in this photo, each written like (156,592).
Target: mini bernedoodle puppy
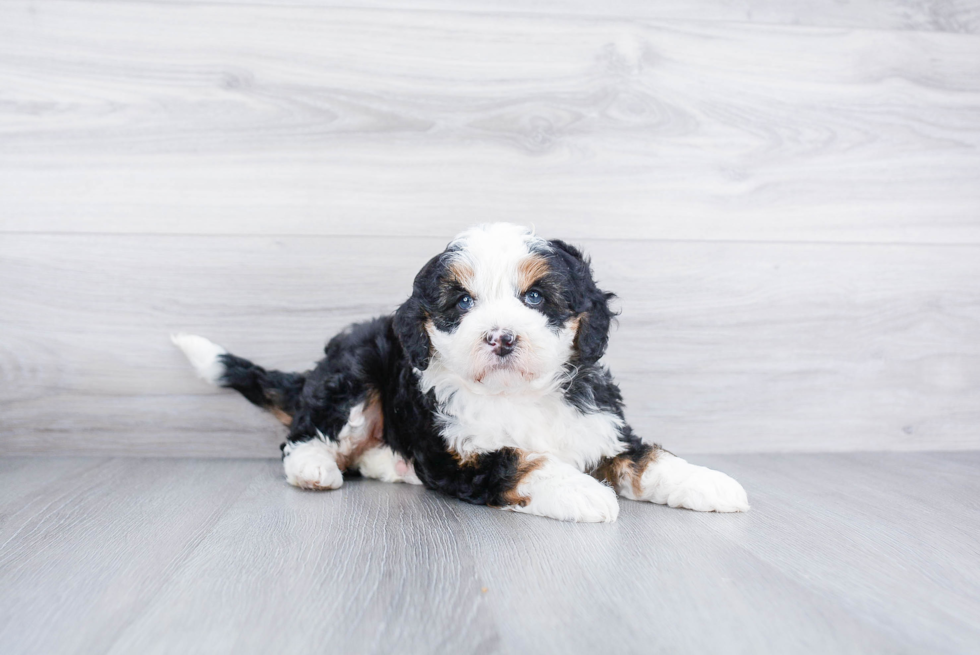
(485,384)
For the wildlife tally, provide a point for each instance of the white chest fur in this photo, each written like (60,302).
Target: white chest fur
(537,422)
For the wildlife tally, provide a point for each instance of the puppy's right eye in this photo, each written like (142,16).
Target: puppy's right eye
(466,302)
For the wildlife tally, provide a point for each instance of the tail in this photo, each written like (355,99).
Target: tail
(275,391)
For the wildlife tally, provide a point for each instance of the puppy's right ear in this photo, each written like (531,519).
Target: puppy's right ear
(411,317)
(409,325)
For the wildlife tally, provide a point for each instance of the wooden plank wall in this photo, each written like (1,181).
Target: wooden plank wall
(785,196)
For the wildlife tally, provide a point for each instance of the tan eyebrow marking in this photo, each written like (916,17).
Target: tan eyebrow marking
(462,272)
(530,270)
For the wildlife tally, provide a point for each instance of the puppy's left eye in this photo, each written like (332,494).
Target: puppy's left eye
(533,298)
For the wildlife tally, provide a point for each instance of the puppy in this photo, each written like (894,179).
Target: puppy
(485,385)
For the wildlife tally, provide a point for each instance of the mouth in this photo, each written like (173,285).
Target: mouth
(503,364)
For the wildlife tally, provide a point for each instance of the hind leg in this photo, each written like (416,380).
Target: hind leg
(319,461)
(381,463)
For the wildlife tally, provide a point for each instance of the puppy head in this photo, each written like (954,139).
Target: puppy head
(505,311)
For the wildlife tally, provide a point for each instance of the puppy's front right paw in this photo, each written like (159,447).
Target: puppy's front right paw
(586,500)
(560,491)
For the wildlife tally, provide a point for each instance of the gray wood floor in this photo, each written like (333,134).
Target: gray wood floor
(841,553)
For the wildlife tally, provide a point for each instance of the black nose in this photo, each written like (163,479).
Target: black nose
(502,341)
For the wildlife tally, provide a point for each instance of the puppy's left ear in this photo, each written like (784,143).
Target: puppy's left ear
(588,301)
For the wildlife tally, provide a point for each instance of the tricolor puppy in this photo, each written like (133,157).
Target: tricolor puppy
(485,385)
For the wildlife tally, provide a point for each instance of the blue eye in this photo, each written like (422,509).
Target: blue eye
(533,298)
(465,303)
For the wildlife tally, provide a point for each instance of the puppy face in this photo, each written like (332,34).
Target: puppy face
(503,311)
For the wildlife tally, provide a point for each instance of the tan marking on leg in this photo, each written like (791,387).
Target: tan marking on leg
(464,460)
(639,468)
(613,470)
(525,466)
(623,472)
(355,439)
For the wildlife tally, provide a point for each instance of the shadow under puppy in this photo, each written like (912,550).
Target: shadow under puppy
(485,384)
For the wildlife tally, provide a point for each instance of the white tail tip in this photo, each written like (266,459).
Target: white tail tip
(203,355)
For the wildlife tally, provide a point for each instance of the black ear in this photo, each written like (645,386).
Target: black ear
(409,325)
(586,300)
(411,317)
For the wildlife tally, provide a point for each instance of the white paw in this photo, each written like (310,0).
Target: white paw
(673,481)
(312,465)
(381,463)
(560,491)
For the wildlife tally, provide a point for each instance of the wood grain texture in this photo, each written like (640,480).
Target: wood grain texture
(237,118)
(961,16)
(784,195)
(860,553)
(109,533)
(721,347)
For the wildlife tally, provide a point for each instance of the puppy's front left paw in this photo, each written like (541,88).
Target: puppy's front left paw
(673,481)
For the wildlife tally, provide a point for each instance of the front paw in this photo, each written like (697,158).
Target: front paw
(560,491)
(673,481)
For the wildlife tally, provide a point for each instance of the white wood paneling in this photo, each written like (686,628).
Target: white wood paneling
(785,196)
(961,16)
(252,119)
(720,346)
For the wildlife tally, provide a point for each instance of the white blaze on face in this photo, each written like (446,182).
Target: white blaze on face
(493,262)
